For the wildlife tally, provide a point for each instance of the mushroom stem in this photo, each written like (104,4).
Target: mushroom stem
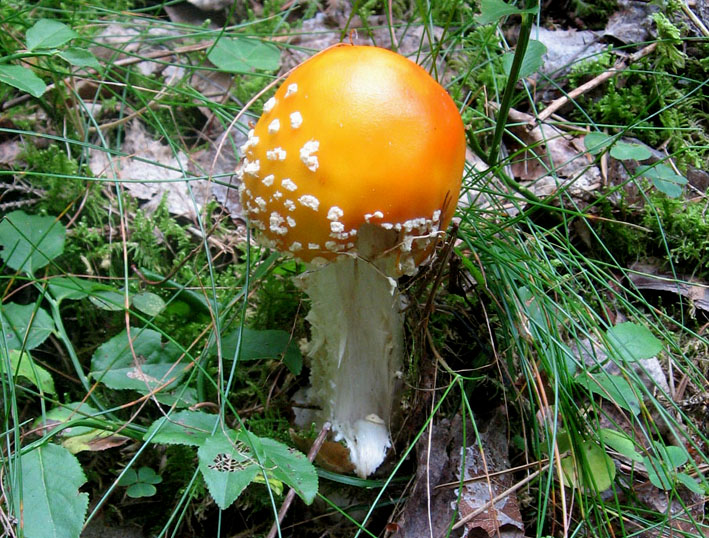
(356,352)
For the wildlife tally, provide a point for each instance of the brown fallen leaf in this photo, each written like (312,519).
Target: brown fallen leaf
(649,277)
(441,466)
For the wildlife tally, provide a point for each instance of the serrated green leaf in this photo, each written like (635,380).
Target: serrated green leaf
(612,387)
(493,10)
(52,503)
(183,428)
(624,151)
(23,79)
(113,363)
(242,55)
(22,325)
(632,342)
(592,471)
(532,61)
(227,467)
(79,57)
(597,142)
(290,467)
(664,178)
(148,303)
(621,443)
(48,34)
(30,241)
(24,366)
(257,345)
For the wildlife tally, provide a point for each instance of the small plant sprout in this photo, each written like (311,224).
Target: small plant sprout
(355,168)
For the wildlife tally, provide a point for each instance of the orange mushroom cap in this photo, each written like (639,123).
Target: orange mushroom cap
(354,135)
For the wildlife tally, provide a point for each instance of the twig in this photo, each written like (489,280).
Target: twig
(314,449)
(696,20)
(597,81)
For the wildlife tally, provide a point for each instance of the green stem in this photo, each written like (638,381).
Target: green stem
(506,103)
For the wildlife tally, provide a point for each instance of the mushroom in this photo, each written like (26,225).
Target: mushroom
(355,167)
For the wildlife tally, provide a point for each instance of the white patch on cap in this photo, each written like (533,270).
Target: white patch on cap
(289,205)
(334,213)
(260,202)
(268,105)
(292,88)
(251,142)
(332,245)
(288,184)
(276,224)
(274,126)
(296,119)
(436,215)
(276,154)
(387,225)
(290,221)
(313,246)
(309,201)
(268,180)
(252,167)
(306,154)
(337,227)
(277,195)
(295,246)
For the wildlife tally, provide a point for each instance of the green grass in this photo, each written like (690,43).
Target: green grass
(521,317)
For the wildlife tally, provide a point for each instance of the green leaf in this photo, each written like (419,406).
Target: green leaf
(532,61)
(23,79)
(22,325)
(113,363)
(148,303)
(108,299)
(79,57)
(60,415)
(128,478)
(290,467)
(660,476)
(48,34)
(257,345)
(227,467)
(632,342)
(183,428)
(690,483)
(148,476)
(597,142)
(592,471)
(136,491)
(53,505)
(674,456)
(621,443)
(229,462)
(612,387)
(30,241)
(664,179)
(24,366)
(71,288)
(492,10)
(241,55)
(624,151)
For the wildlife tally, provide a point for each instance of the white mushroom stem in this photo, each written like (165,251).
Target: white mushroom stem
(356,351)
